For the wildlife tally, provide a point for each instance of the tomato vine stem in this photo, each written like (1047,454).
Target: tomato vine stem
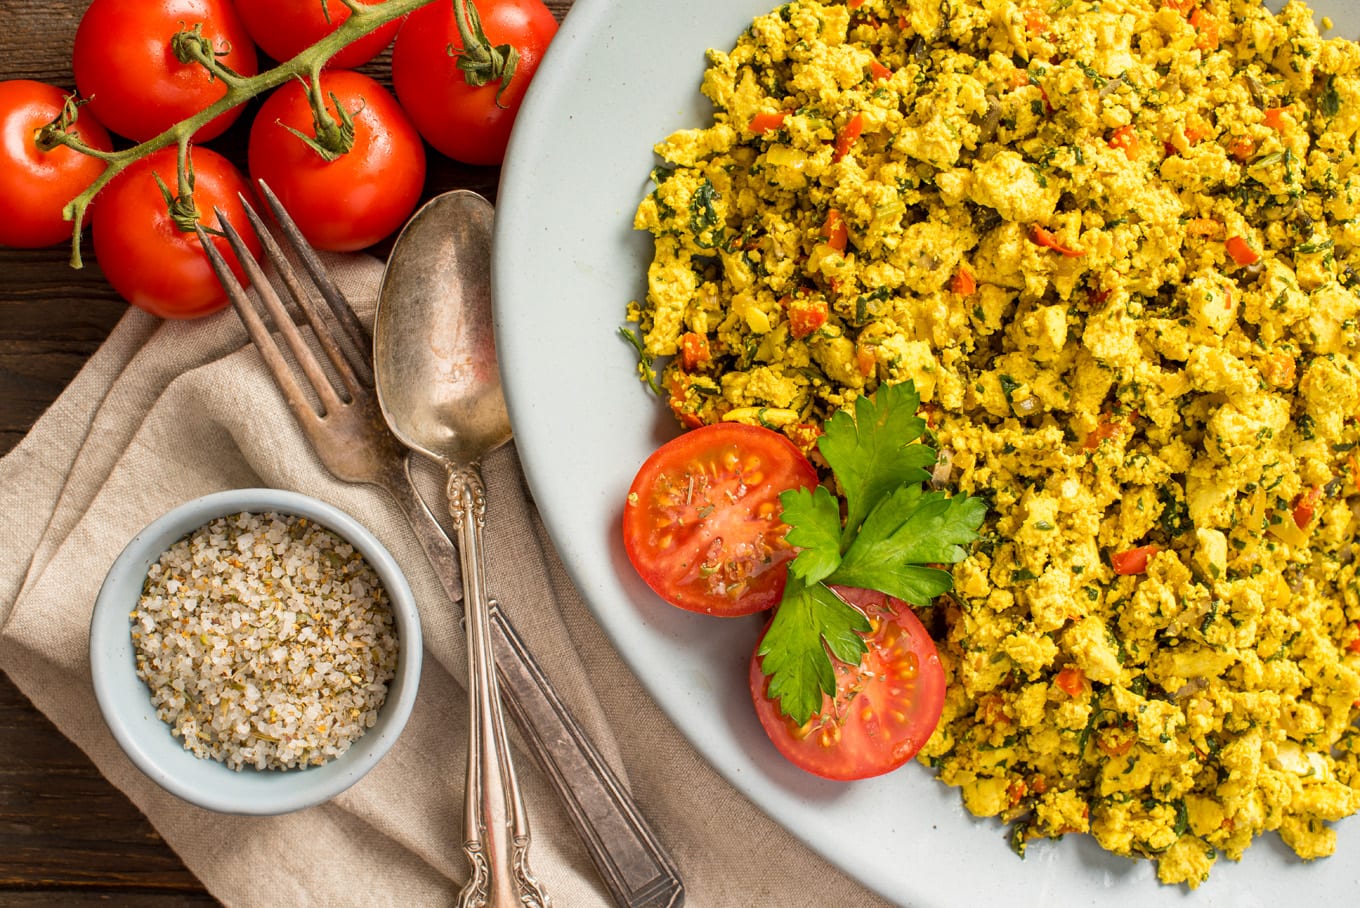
(480,61)
(334,135)
(363,19)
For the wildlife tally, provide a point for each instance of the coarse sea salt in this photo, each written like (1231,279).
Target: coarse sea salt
(266,641)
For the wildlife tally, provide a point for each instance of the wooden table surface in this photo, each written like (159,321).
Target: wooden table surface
(68,837)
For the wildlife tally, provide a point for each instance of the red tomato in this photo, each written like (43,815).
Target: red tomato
(137,88)
(1133,561)
(1240,250)
(762,123)
(1304,506)
(1072,681)
(1242,148)
(1042,236)
(694,351)
(35,185)
(361,196)
(834,229)
(146,257)
(284,28)
(1106,428)
(468,124)
(885,708)
(1125,139)
(1274,117)
(846,138)
(806,315)
(702,520)
(963,282)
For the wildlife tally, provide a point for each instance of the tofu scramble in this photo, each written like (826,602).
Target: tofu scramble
(1113,242)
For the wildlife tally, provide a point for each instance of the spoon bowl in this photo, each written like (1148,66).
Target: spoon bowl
(439,388)
(433,345)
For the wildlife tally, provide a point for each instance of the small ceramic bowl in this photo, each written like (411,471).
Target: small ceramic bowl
(126,700)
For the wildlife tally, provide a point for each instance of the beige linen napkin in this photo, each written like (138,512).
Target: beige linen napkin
(168,411)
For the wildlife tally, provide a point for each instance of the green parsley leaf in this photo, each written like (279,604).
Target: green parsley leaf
(893,532)
(792,651)
(814,520)
(1330,103)
(909,528)
(873,453)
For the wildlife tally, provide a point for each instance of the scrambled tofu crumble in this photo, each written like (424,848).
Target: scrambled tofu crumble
(1114,244)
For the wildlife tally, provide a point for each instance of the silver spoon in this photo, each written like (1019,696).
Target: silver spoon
(439,388)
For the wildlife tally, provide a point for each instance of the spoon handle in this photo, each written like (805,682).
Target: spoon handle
(631,860)
(634,865)
(496,825)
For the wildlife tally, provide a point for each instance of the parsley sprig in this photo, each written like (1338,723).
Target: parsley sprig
(889,532)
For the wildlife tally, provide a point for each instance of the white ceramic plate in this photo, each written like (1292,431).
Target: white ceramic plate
(620,76)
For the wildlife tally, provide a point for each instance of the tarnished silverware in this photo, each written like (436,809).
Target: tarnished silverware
(351,438)
(435,372)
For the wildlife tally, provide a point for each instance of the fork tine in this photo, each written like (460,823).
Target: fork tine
(283,322)
(352,370)
(344,312)
(296,398)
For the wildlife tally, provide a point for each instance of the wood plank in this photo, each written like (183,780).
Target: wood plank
(54,317)
(64,827)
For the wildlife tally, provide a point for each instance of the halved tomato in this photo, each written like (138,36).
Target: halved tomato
(702,521)
(885,708)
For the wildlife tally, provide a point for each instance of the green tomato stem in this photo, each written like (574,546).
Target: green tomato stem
(330,139)
(190,46)
(180,204)
(480,61)
(363,20)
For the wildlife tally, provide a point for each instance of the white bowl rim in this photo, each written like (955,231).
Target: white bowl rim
(147,740)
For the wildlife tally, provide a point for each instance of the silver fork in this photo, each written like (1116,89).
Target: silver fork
(351,438)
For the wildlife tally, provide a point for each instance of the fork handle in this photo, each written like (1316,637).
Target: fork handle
(632,862)
(628,855)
